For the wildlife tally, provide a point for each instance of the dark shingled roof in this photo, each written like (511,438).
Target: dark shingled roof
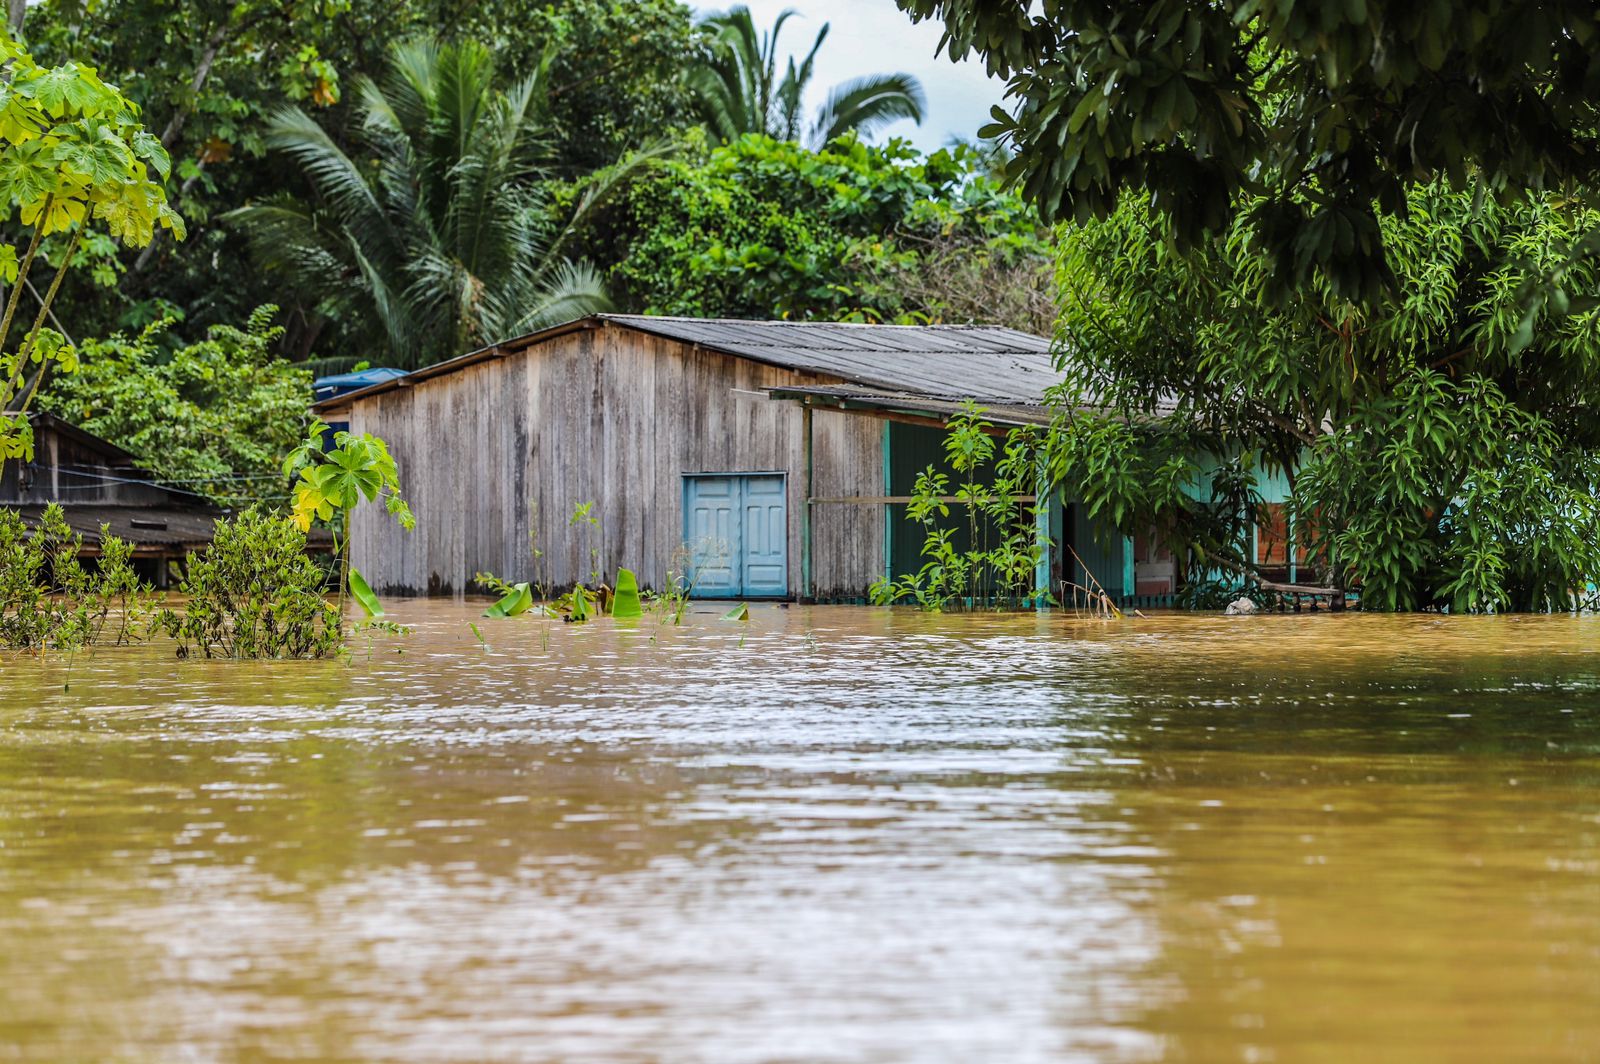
(948,362)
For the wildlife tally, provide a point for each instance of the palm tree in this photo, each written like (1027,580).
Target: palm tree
(738,89)
(441,243)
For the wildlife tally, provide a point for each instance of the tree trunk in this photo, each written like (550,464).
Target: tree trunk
(169,136)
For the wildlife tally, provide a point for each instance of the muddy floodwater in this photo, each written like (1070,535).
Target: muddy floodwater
(824,835)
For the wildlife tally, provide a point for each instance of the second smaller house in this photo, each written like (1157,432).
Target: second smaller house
(98,484)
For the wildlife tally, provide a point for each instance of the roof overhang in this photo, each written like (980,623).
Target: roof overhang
(913,409)
(116,456)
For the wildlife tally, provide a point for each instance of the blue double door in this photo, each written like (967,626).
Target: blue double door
(737,530)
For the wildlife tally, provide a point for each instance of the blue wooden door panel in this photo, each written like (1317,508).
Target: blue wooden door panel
(766,538)
(711,514)
(736,527)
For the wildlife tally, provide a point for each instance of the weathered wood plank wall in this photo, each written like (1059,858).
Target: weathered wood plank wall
(614,417)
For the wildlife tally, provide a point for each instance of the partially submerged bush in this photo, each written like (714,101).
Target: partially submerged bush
(1003,546)
(255,593)
(50,599)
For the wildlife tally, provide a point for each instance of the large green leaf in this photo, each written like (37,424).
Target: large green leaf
(625,601)
(741,612)
(518,601)
(362,592)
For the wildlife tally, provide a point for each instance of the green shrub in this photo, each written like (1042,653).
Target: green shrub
(254,593)
(1003,546)
(50,599)
(854,232)
(212,417)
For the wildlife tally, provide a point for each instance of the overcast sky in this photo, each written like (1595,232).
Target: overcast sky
(876,37)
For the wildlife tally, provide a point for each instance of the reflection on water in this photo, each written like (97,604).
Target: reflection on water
(827,835)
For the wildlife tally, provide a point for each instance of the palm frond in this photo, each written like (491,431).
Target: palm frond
(865,104)
(573,290)
(443,239)
(601,185)
(338,182)
(393,313)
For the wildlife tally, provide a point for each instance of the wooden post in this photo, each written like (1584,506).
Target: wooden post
(1130,575)
(888,508)
(1044,504)
(806,590)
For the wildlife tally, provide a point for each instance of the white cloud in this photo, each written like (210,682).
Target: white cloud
(876,37)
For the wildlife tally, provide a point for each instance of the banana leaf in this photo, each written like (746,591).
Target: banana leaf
(741,612)
(580,604)
(361,591)
(519,601)
(625,600)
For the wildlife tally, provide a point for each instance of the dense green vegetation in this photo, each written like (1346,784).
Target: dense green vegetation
(1323,241)
(413,179)
(255,593)
(1443,447)
(51,600)
(214,417)
(440,244)
(759,228)
(1310,119)
(76,163)
(1348,244)
(304,132)
(210,75)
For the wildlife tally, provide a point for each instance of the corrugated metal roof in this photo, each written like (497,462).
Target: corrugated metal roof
(952,362)
(114,455)
(995,412)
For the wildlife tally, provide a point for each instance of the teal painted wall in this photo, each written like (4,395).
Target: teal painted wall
(1102,549)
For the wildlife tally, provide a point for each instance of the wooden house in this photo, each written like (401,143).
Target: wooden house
(766,459)
(100,485)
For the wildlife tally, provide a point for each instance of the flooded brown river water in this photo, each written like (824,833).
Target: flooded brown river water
(826,835)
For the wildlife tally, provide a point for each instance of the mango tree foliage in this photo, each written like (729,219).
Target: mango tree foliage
(1443,448)
(204,74)
(73,158)
(1314,117)
(213,417)
(759,228)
